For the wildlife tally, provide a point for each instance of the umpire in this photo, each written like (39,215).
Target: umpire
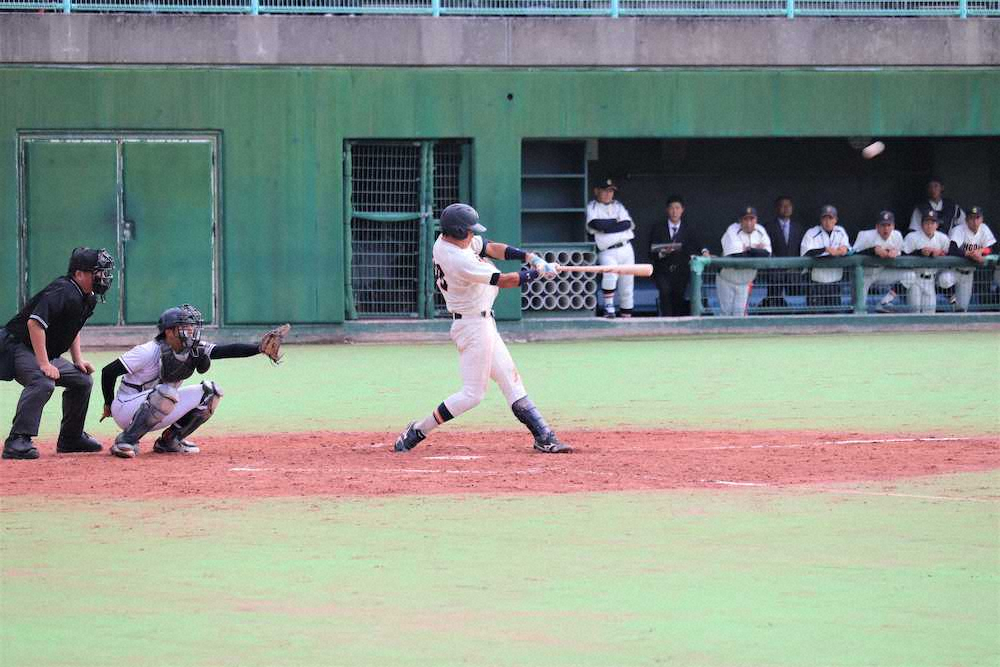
(36,337)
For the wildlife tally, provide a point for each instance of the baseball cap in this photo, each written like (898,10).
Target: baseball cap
(975,210)
(930,214)
(828,210)
(886,217)
(748,211)
(606,184)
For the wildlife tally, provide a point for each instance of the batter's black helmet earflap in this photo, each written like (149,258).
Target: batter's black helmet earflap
(458,219)
(99,262)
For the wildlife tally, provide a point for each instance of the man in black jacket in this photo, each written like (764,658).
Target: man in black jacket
(786,239)
(671,245)
(45,329)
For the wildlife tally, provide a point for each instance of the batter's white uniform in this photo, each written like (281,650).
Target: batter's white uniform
(815,239)
(869,239)
(468,280)
(733,285)
(963,237)
(614,249)
(920,283)
(142,365)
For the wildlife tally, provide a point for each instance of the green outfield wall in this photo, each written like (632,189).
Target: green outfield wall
(280,134)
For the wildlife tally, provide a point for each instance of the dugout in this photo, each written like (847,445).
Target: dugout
(236,185)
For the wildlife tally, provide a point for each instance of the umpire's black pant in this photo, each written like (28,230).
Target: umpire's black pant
(38,389)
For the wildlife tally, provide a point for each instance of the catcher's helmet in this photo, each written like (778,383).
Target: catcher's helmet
(458,219)
(180,315)
(99,261)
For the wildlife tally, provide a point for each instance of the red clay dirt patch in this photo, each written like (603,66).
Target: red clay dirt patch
(492,462)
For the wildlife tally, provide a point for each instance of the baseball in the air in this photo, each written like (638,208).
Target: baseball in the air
(872,149)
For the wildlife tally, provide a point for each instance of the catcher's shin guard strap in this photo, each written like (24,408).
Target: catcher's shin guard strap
(158,404)
(528,414)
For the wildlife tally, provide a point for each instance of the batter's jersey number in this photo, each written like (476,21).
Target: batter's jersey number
(439,278)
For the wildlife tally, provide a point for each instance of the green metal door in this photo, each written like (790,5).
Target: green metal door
(70,200)
(151,200)
(167,228)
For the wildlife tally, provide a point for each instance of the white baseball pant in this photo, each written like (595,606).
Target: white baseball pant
(123,408)
(482,355)
(612,281)
(920,293)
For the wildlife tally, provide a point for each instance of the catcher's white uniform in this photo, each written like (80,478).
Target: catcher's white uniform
(868,239)
(963,237)
(142,364)
(614,248)
(733,285)
(468,282)
(920,283)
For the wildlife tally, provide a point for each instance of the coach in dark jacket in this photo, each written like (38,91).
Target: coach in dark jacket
(37,337)
(671,270)
(786,239)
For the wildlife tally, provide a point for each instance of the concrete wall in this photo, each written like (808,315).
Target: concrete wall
(491,42)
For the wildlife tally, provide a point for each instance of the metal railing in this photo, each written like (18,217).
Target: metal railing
(736,286)
(612,8)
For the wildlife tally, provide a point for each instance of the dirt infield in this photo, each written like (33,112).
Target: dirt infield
(496,462)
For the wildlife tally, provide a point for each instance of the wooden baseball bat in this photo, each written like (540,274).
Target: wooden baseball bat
(622,269)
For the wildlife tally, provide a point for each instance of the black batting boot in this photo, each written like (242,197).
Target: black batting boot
(545,438)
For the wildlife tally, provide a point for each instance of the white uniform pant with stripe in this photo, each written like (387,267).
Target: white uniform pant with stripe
(963,287)
(732,286)
(125,405)
(920,293)
(482,355)
(612,281)
(881,276)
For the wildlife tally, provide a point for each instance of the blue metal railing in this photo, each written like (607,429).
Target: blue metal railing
(611,8)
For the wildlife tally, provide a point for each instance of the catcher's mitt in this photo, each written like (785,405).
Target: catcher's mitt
(270,342)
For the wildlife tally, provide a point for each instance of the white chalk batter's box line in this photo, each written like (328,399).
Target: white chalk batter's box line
(829,443)
(403,471)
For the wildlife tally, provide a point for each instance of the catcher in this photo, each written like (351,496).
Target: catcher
(151,398)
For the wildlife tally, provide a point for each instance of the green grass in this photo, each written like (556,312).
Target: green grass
(943,382)
(738,577)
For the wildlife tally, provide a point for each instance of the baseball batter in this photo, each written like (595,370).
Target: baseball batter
(611,225)
(886,242)
(151,396)
(470,283)
(742,239)
(928,242)
(974,240)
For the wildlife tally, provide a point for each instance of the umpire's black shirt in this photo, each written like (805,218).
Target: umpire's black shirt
(61,308)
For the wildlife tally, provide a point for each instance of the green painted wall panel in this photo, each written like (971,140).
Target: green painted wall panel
(283,131)
(168,197)
(67,184)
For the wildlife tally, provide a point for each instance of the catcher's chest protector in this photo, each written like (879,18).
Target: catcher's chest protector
(172,369)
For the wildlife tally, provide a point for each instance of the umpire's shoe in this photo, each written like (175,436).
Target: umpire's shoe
(18,446)
(409,438)
(81,443)
(552,445)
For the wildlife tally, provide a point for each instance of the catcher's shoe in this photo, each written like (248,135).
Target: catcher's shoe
(409,438)
(174,446)
(552,445)
(124,450)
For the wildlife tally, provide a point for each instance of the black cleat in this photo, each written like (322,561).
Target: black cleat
(409,438)
(82,443)
(552,445)
(19,447)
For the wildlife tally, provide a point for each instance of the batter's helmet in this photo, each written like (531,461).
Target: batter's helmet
(458,219)
(179,315)
(100,262)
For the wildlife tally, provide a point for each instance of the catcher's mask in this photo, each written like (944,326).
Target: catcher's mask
(178,317)
(99,262)
(458,219)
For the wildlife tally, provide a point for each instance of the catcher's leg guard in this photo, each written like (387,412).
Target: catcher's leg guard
(172,439)
(159,403)
(545,438)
